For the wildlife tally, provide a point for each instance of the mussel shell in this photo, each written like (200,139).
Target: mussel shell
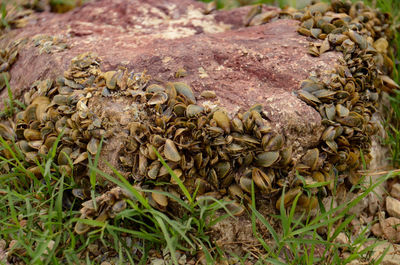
(311,158)
(236,208)
(266,159)
(119,206)
(92,146)
(81,228)
(288,197)
(186,91)
(261,179)
(222,120)
(159,198)
(193,110)
(158,98)
(170,151)
(245,184)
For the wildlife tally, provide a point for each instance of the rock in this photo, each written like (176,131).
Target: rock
(231,230)
(243,66)
(342,239)
(94,249)
(50,247)
(395,191)
(391,258)
(157,262)
(345,254)
(388,229)
(377,230)
(356,226)
(379,153)
(393,207)
(263,64)
(329,203)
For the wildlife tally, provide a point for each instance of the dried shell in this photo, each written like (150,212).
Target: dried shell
(170,151)
(193,110)
(261,179)
(32,135)
(158,98)
(185,90)
(266,159)
(92,146)
(222,120)
(208,94)
(160,199)
(288,198)
(311,158)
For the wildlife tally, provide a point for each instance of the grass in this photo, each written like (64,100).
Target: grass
(299,239)
(11,105)
(34,214)
(38,214)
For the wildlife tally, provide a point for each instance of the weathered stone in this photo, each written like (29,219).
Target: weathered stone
(356,226)
(342,239)
(395,191)
(391,258)
(377,230)
(261,64)
(345,254)
(393,207)
(388,228)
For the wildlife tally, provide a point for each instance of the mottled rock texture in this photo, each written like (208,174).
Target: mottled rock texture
(261,64)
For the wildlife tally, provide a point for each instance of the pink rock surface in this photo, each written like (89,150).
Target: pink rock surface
(244,66)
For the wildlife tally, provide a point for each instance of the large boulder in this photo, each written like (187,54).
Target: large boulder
(244,66)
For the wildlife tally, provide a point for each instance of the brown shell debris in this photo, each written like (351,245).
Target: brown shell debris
(208,149)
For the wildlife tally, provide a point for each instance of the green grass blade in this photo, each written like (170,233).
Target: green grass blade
(167,238)
(177,180)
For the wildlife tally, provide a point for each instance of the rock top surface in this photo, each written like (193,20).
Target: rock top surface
(244,66)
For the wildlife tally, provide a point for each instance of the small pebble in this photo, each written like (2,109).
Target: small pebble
(393,207)
(395,192)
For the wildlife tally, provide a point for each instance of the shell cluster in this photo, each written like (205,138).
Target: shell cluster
(351,95)
(55,107)
(211,152)
(105,206)
(14,17)
(49,44)
(8,56)
(208,150)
